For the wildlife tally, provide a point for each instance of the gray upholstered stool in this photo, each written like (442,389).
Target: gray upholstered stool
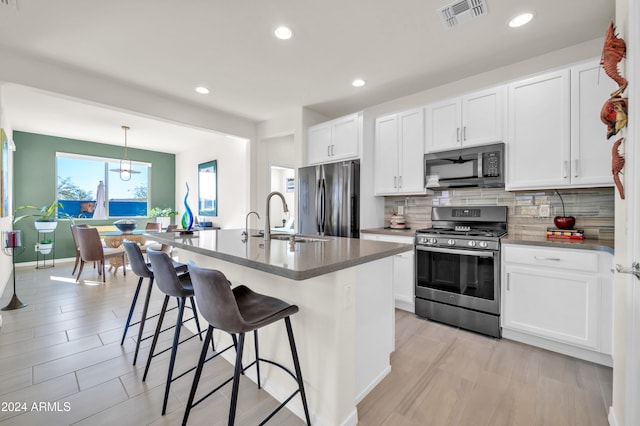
(240,311)
(172,285)
(142,270)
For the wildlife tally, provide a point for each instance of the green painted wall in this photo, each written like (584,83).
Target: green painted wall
(34,182)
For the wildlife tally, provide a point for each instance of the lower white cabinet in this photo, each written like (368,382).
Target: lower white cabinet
(403,270)
(559,299)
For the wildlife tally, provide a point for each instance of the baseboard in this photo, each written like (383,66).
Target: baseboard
(611,417)
(373,384)
(406,305)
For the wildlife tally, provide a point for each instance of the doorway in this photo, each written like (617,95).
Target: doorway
(283,181)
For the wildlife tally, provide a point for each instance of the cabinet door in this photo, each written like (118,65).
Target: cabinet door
(590,149)
(386,155)
(552,303)
(483,117)
(443,125)
(403,281)
(345,138)
(411,152)
(539,132)
(319,143)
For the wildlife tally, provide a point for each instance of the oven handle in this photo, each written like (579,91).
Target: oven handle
(476,253)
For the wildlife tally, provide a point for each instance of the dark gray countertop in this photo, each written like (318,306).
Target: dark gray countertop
(298,262)
(543,241)
(389,231)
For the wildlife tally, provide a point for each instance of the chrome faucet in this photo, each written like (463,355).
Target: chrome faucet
(267,222)
(246,222)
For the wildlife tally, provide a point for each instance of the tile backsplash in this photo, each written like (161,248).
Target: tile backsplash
(530,212)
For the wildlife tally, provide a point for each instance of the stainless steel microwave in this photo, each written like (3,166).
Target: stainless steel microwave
(477,166)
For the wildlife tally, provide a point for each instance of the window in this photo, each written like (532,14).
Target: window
(87,188)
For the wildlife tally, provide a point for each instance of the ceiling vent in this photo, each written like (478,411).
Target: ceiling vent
(462,11)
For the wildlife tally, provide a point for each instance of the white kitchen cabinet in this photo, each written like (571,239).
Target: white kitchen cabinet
(559,299)
(403,270)
(556,139)
(473,119)
(399,152)
(335,140)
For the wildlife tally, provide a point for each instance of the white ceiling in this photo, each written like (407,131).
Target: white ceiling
(169,47)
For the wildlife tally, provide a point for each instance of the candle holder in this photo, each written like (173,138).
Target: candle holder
(11,241)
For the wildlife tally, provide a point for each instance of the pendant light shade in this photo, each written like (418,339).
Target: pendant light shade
(125,169)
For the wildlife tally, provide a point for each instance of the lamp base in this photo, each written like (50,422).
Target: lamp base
(14,304)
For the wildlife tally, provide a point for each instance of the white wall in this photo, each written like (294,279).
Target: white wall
(233,179)
(275,151)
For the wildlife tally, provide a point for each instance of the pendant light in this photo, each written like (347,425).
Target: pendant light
(125,169)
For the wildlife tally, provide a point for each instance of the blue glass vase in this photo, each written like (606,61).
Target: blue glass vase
(187,217)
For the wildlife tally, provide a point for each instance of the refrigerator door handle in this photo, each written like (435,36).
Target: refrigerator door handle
(323,195)
(318,203)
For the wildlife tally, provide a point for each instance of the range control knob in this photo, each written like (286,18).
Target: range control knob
(483,244)
(451,242)
(472,243)
(431,241)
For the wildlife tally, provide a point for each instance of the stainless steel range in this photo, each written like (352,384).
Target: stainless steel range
(458,267)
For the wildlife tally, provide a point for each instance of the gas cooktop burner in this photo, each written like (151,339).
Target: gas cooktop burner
(470,233)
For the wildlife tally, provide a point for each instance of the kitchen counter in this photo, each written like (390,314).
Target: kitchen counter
(543,241)
(389,231)
(298,262)
(345,327)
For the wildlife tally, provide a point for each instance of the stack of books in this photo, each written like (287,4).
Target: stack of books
(574,234)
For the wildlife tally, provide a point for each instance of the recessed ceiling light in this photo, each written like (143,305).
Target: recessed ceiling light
(202,90)
(520,20)
(358,82)
(283,33)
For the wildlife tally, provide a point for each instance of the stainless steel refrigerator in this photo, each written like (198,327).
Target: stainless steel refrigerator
(328,199)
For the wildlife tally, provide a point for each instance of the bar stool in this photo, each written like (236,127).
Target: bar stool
(240,311)
(172,285)
(142,270)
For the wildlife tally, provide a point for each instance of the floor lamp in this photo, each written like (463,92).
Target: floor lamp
(11,241)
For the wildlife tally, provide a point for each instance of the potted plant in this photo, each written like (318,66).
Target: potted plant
(162,215)
(46,217)
(45,245)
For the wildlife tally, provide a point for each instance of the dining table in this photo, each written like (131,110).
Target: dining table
(113,238)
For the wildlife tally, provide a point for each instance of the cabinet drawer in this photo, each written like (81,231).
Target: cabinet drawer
(552,258)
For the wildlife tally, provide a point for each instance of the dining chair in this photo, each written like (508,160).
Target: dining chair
(165,248)
(91,250)
(75,242)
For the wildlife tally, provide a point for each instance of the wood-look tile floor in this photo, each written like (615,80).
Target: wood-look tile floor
(61,363)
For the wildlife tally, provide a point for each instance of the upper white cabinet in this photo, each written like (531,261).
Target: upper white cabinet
(473,119)
(335,140)
(399,151)
(556,138)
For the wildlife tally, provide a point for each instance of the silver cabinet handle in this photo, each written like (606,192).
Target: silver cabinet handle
(508,281)
(328,150)
(457,134)
(555,259)
(575,168)
(399,181)
(634,270)
(395,181)
(464,133)
(565,165)
(332,153)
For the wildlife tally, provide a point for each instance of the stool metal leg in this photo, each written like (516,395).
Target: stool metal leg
(195,316)
(196,379)
(174,350)
(155,337)
(131,309)
(255,338)
(236,380)
(143,319)
(296,364)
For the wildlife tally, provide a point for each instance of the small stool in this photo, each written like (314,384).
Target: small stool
(239,311)
(143,270)
(172,285)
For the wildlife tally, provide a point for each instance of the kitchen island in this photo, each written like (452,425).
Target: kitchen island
(345,327)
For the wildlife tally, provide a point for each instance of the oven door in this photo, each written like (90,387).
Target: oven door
(465,278)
